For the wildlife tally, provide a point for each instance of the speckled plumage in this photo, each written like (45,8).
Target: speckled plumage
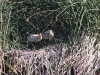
(34,37)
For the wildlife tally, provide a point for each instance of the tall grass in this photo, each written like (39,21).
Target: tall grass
(66,18)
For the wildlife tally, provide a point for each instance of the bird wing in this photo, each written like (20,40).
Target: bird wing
(33,37)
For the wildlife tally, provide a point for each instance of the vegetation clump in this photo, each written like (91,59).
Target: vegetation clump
(74,23)
(66,18)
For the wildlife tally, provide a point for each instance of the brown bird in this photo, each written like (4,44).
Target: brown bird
(49,34)
(34,37)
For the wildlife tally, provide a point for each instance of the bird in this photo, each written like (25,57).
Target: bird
(49,34)
(34,37)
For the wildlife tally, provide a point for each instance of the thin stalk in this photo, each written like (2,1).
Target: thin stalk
(1,51)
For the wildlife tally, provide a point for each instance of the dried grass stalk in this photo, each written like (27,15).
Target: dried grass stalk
(85,59)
